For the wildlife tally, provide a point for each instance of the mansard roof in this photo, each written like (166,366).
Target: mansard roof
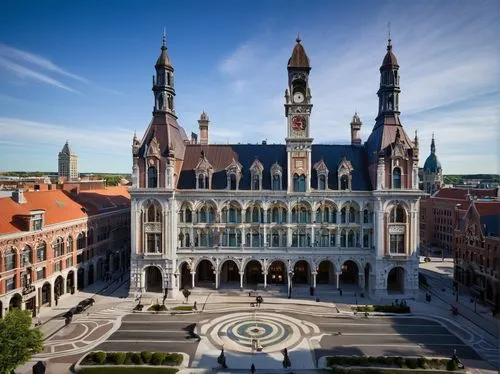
(220,156)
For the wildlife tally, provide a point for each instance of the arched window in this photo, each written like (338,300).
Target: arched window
(152,177)
(351,239)
(397,231)
(81,241)
(188,215)
(344,182)
(26,258)
(41,252)
(69,244)
(397,215)
(58,247)
(396,178)
(202,182)
(276,182)
(10,259)
(154,213)
(322,182)
(153,228)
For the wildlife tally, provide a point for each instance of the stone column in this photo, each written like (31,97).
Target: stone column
(265,279)
(314,274)
(313,243)
(193,273)
(337,280)
(216,279)
(241,279)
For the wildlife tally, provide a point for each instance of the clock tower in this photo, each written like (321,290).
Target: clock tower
(297,111)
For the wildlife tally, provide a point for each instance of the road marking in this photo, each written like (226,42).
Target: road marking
(382,334)
(154,331)
(148,341)
(166,321)
(373,324)
(396,345)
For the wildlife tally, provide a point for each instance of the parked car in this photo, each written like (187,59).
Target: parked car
(425,259)
(84,304)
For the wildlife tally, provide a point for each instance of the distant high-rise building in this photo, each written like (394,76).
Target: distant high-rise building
(68,163)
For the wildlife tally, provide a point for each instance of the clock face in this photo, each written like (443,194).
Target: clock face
(298,97)
(298,123)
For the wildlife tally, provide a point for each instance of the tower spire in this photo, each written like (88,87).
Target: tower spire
(298,40)
(433,144)
(164,44)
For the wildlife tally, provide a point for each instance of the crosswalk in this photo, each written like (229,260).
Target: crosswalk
(112,312)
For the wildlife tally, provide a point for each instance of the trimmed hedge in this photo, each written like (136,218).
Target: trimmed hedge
(186,308)
(387,361)
(132,358)
(157,308)
(125,370)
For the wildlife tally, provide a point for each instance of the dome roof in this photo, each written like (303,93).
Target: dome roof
(163,59)
(390,58)
(432,164)
(299,57)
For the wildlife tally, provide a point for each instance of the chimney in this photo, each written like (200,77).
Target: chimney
(203,123)
(194,138)
(355,128)
(18,196)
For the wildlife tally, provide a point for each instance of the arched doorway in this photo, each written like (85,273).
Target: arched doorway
(349,274)
(301,272)
(205,276)
(80,281)
(276,273)
(326,273)
(154,279)
(70,282)
(59,286)
(396,280)
(230,274)
(253,273)
(185,276)
(367,278)
(90,275)
(46,294)
(16,301)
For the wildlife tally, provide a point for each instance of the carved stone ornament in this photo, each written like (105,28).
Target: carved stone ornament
(154,148)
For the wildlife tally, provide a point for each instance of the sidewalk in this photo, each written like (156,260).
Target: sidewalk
(51,318)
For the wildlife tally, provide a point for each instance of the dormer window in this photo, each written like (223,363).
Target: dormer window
(36,220)
(344,172)
(153,157)
(256,175)
(233,173)
(276,177)
(203,173)
(322,173)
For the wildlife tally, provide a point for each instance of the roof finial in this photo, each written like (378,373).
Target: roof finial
(389,45)
(164,37)
(298,40)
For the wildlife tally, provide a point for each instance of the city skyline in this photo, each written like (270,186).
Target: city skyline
(61,79)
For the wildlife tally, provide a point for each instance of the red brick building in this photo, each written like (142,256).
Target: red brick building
(56,242)
(476,242)
(438,219)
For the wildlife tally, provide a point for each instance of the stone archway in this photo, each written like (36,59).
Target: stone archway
(205,276)
(70,282)
(349,274)
(326,273)
(153,279)
(80,281)
(301,272)
(276,273)
(253,273)
(16,301)
(58,287)
(90,277)
(229,273)
(46,294)
(185,276)
(396,280)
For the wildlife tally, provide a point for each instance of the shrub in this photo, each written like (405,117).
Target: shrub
(146,356)
(399,361)
(412,363)
(451,365)
(99,357)
(137,358)
(157,308)
(128,358)
(157,358)
(173,359)
(117,358)
(183,308)
(422,363)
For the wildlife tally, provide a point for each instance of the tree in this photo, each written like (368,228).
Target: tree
(18,340)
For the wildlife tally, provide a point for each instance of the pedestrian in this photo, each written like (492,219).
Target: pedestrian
(340,291)
(252,368)
(194,306)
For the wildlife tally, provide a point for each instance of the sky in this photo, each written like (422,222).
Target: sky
(82,71)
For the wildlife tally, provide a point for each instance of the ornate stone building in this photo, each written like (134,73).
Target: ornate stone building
(432,173)
(299,213)
(67,164)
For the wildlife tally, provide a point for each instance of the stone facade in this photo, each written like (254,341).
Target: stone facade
(67,164)
(240,216)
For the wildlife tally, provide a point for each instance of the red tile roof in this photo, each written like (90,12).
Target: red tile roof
(60,206)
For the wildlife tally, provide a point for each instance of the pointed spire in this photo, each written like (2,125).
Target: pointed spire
(415,141)
(298,40)
(433,145)
(389,45)
(299,57)
(163,60)
(164,45)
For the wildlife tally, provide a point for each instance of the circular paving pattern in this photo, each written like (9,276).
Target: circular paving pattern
(244,332)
